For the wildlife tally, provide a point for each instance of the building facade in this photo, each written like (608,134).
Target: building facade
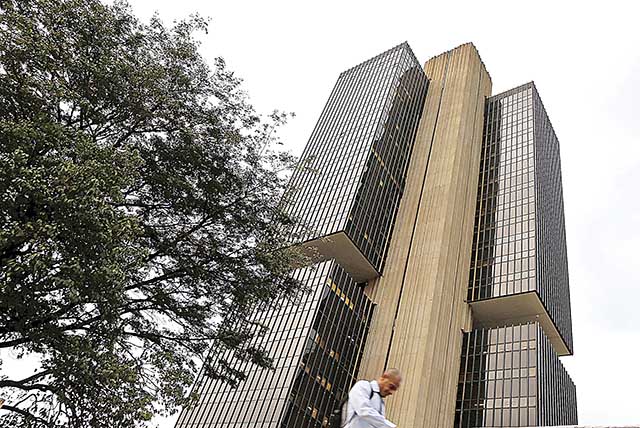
(316,342)
(345,196)
(511,377)
(519,281)
(433,213)
(421,310)
(352,172)
(519,254)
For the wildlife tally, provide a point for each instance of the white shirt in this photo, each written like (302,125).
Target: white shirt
(365,412)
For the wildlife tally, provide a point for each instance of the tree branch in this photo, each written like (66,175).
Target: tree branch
(19,385)
(24,413)
(36,376)
(15,342)
(170,275)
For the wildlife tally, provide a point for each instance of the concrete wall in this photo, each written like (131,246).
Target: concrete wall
(421,309)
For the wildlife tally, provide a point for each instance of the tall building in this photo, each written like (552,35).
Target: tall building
(434,216)
(347,192)
(346,197)
(510,373)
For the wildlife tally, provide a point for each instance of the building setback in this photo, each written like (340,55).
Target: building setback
(435,219)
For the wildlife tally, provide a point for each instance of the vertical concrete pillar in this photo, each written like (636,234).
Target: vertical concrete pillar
(421,296)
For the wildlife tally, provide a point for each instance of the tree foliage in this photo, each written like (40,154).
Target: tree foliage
(139,213)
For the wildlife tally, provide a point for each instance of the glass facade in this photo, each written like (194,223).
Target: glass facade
(350,181)
(346,194)
(332,353)
(519,237)
(316,342)
(353,168)
(511,377)
(552,264)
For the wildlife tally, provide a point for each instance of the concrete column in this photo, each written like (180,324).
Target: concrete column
(421,296)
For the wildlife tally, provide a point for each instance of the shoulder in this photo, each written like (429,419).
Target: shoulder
(362,385)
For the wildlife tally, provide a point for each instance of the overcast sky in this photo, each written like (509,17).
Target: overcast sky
(585,60)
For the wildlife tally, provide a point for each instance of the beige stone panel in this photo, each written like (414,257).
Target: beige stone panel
(446,411)
(429,274)
(386,289)
(405,351)
(435,245)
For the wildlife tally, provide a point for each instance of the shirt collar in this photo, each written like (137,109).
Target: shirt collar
(374,386)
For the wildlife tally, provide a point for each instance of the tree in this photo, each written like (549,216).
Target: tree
(139,214)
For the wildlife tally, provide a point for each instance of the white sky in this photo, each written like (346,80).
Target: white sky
(585,60)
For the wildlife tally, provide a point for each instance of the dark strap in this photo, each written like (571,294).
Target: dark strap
(371,396)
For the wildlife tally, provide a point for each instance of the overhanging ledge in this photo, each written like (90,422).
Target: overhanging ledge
(340,247)
(518,309)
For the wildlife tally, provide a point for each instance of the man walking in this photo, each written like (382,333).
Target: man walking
(365,408)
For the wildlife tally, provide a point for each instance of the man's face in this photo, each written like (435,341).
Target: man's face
(388,385)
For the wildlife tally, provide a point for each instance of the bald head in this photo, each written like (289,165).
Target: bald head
(389,382)
(393,373)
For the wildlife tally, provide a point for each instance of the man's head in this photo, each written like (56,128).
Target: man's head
(389,382)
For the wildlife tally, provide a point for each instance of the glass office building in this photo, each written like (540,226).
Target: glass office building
(512,377)
(345,194)
(510,373)
(347,190)
(390,133)
(519,262)
(316,342)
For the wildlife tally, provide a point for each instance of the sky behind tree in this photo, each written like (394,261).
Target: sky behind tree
(585,61)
